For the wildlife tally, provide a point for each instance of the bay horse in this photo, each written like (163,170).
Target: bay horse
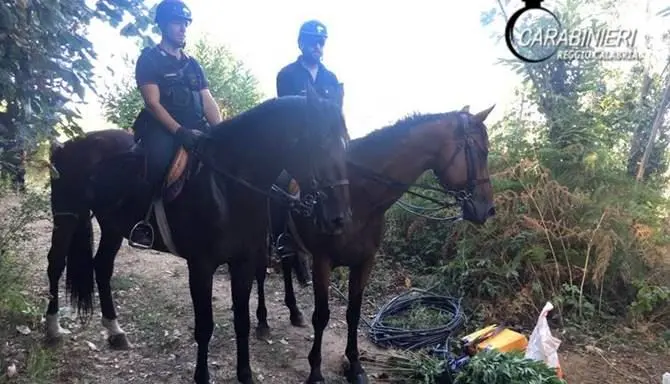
(220,216)
(382,166)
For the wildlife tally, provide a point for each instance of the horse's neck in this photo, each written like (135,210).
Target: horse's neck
(404,162)
(237,173)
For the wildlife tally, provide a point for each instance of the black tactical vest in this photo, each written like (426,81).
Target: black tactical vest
(178,87)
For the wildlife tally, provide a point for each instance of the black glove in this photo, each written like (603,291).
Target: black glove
(188,138)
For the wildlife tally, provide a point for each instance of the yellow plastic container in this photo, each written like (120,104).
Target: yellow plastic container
(481,334)
(505,341)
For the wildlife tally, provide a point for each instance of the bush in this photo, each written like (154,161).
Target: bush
(492,367)
(17,214)
(592,252)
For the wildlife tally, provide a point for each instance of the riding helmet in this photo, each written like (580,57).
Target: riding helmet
(169,10)
(313,28)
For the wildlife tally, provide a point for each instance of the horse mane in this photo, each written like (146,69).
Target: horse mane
(248,125)
(240,126)
(381,137)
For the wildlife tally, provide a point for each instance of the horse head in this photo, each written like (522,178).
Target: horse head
(323,183)
(461,162)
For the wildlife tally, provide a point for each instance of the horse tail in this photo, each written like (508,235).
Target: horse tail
(79,279)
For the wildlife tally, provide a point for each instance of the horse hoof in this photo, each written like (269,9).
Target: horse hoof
(298,321)
(201,377)
(315,379)
(118,342)
(53,340)
(361,378)
(263,332)
(55,336)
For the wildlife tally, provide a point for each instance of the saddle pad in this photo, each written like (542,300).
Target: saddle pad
(178,167)
(176,175)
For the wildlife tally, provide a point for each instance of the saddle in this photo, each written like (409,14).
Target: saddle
(176,177)
(178,173)
(116,178)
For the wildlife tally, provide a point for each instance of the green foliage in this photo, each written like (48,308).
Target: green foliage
(572,226)
(233,85)
(16,214)
(493,367)
(18,307)
(48,61)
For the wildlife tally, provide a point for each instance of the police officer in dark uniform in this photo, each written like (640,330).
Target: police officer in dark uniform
(178,104)
(293,79)
(308,68)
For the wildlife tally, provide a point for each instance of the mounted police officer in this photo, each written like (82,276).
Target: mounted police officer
(293,79)
(178,106)
(308,68)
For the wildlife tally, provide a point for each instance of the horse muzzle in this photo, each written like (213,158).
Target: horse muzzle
(478,211)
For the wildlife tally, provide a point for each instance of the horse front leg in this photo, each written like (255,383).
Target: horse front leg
(241,280)
(61,236)
(263,328)
(200,278)
(110,242)
(358,279)
(297,319)
(321,315)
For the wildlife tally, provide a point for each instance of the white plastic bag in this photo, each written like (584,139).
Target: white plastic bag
(542,345)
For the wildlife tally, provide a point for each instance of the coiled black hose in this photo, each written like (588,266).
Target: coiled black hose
(412,339)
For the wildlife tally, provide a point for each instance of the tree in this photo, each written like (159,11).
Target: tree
(593,110)
(233,86)
(47,65)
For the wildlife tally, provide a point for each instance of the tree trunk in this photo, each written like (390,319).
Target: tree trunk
(636,143)
(658,121)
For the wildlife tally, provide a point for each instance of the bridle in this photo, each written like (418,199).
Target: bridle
(461,193)
(306,204)
(310,201)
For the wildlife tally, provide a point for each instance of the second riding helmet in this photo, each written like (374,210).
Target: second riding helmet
(170,10)
(312,28)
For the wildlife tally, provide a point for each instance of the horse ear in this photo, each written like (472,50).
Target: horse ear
(466,109)
(481,116)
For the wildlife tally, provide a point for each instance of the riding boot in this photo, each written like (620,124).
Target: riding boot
(286,248)
(301,268)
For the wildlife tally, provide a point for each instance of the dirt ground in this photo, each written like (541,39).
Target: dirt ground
(154,306)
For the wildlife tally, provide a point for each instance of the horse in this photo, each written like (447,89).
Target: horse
(218,215)
(382,166)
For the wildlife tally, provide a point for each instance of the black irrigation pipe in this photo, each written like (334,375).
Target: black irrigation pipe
(435,338)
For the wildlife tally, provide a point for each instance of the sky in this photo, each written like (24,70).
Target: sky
(394,58)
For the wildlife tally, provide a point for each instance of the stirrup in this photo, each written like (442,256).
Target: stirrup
(284,249)
(147,229)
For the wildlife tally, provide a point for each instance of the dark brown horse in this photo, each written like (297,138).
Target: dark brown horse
(382,167)
(220,216)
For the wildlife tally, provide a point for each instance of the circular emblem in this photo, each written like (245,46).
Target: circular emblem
(535,33)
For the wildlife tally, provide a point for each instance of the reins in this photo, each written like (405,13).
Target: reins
(303,207)
(460,196)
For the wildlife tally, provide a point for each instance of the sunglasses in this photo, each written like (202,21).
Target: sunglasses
(311,41)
